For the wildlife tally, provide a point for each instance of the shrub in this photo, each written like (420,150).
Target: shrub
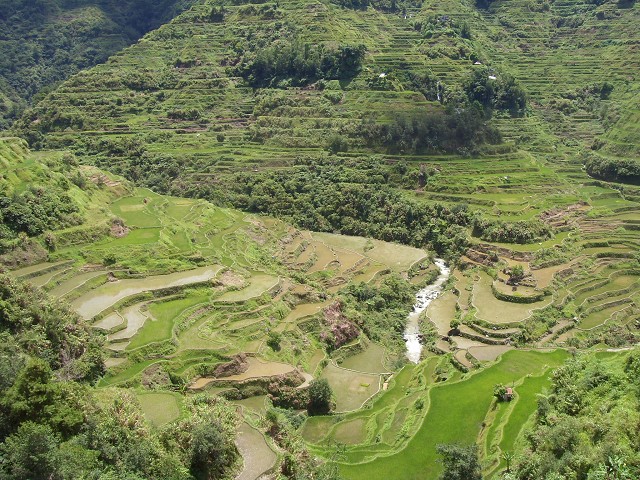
(320,394)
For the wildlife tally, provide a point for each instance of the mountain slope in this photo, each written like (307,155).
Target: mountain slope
(46,41)
(197,92)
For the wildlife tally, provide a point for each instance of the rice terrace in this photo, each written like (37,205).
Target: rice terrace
(320,239)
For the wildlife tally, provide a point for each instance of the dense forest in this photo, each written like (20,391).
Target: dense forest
(334,195)
(587,426)
(613,169)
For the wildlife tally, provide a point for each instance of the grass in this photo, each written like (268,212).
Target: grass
(258,284)
(162,319)
(497,311)
(351,432)
(455,414)
(596,319)
(135,212)
(397,257)
(371,360)
(126,374)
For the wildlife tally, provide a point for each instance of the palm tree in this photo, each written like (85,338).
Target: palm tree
(507,457)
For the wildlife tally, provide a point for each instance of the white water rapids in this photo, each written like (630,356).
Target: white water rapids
(423,298)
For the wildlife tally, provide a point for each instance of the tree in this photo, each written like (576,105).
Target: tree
(337,143)
(212,452)
(29,452)
(508,457)
(499,391)
(320,394)
(273,340)
(35,396)
(517,272)
(460,462)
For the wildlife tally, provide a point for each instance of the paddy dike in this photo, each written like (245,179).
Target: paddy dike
(92,303)
(256,369)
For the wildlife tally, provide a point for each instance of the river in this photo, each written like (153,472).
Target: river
(423,298)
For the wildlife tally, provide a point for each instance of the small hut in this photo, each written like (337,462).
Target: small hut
(508,394)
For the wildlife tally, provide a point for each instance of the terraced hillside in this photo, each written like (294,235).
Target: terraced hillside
(176,112)
(370,121)
(181,276)
(184,111)
(192,86)
(194,297)
(45,42)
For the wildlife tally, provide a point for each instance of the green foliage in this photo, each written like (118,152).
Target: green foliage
(297,63)
(273,340)
(517,272)
(585,427)
(217,14)
(484,3)
(48,330)
(34,396)
(320,395)
(47,41)
(460,131)
(460,462)
(348,196)
(37,197)
(30,452)
(212,452)
(382,5)
(524,231)
(613,169)
(499,391)
(39,209)
(495,90)
(116,441)
(337,143)
(380,310)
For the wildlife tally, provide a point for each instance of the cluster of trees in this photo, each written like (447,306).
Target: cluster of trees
(586,428)
(460,462)
(35,210)
(54,424)
(47,41)
(37,197)
(320,397)
(299,63)
(443,25)
(484,4)
(382,5)
(350,196)
(495,90)
(456,130)
(380,310)
(523,231)
(283,426)
(623,170)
